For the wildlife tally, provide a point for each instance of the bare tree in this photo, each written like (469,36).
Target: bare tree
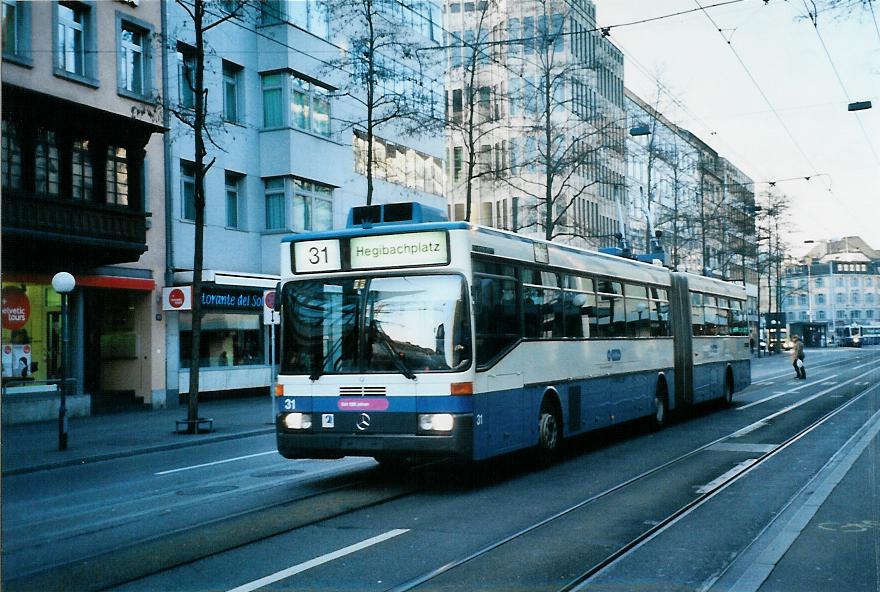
(204,16)
(839,9)
(774,222)
(569,147)
(383,72)
(472,118)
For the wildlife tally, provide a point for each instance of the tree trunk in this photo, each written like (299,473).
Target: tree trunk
(198,251)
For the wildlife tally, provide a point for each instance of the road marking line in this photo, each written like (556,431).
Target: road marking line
(763,421)
(743,447)
(748,429)
(868,363)
(778,394)
(727,476)
(216,462)
(299,568)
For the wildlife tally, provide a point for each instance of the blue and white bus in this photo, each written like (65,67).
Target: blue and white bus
(849,336)
(408,336)
(870,334)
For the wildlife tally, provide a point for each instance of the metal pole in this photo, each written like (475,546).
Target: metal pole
(272,369)
(65,370)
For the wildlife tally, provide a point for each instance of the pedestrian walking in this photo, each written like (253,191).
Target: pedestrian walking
(797,358)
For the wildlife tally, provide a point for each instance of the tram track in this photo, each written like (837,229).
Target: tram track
(172,549)
(164,552)
(658,526)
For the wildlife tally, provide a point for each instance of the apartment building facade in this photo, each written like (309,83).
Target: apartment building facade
(83,192)
(289,155)
(702,203)
(535,142)
(837,284)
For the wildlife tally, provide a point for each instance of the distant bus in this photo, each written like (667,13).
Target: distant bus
(870,334)
(850,336)
(405,336)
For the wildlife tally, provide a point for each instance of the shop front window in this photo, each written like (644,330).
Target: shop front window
(31,334)
(228,339)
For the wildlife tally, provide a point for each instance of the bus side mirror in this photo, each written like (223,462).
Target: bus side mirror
(276,305)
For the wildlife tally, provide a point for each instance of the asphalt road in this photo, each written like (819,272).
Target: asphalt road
(236,516)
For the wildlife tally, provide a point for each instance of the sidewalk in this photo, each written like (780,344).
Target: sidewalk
(34,446)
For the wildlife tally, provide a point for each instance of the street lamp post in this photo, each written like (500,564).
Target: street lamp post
(64,283)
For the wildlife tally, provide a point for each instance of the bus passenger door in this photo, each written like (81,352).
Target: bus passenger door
(505,402)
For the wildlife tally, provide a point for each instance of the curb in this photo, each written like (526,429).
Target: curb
(133,452)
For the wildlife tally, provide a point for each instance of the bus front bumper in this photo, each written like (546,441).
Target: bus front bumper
(456,444)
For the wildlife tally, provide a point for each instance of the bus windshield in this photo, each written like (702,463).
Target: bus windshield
(405,325)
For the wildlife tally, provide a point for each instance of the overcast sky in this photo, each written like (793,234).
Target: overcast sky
(791,121)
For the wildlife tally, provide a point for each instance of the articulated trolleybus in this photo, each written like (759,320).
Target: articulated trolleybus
(407,336)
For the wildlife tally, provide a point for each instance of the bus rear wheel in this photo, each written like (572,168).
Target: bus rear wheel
(658,419)
(728,392)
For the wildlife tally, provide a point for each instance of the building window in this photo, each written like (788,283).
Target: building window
(74,39)
(234,183)
(820,315)
(11,157)
(275,204)
(310,15)
(312,206)
(856,314)
(273,100)
(81,170)
(820,299)
(841,314)
(231,92)
(186,75)
(820,282)
(309,105)
(117,176)
(16,30)
(134,58)
(228,339)
(46,176)
(188,189)
(399,164)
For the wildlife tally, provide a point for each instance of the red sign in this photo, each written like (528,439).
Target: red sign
(16,308)
(176,298)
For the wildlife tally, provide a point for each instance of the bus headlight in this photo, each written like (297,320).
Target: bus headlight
(298,421)
(436,422)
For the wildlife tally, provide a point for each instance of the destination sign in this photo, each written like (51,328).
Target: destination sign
(399,250)
(317,255)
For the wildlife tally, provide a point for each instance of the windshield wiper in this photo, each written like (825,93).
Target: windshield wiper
(386,341)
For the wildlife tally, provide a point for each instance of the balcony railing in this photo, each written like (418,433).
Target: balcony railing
(113,233)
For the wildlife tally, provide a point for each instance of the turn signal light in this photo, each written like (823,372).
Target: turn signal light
(279,390)
(461,388)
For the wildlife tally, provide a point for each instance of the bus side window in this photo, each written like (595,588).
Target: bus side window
(659,313)
(697,318)
(496,316)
